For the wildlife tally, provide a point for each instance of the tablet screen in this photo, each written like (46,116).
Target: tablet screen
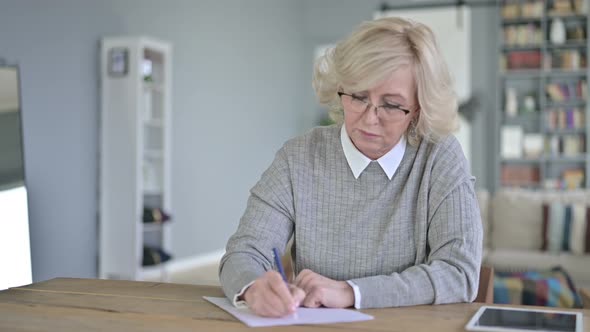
(527,320)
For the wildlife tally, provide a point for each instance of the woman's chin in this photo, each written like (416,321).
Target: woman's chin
(370,151)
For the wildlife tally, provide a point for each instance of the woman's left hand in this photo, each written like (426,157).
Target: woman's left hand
(324,291)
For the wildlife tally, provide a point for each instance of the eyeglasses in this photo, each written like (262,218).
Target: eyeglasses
(359,104)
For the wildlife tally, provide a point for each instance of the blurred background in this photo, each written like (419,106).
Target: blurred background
(240,87)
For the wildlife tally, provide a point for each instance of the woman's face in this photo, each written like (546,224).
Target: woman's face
(370,131)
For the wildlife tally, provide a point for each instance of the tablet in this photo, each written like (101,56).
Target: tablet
(505,319)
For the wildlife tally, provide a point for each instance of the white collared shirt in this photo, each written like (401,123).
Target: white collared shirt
(357,161)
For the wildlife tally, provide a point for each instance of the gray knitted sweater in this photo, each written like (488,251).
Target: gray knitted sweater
(414,239)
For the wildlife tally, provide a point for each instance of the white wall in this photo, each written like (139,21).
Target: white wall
(237,82)
(237,86)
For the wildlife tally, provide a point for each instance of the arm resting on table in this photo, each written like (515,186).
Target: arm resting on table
(451,271)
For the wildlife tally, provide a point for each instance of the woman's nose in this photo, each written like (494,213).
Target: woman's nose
(371,115)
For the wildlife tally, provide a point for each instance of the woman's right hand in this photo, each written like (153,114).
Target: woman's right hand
(271,296)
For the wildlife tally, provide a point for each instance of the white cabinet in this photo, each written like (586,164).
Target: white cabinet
(134,157)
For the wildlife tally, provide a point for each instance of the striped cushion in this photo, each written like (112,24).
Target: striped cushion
(566,227)
(549,288)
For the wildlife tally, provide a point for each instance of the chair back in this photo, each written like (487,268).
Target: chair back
(485,293)
(585,293)
(287,262)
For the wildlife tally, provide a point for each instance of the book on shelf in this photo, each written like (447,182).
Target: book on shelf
(566,91)
(552,146)
(562,7)
(518,60)
(555,92)
(564,118)
(568,7)
(575,31)
(527,34)
(583,89)
(567,59)
(573,178)
(553,183)
(511,140)
(565,145)
(533,144)
(529,9)
(570,179)
(579,119)
(573,145)
(520,175)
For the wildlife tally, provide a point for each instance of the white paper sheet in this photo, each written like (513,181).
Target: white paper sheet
(301,316)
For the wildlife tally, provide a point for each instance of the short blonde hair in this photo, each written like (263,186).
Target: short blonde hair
(376,49)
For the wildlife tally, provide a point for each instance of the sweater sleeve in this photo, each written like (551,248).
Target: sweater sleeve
(451,270)
(266,223)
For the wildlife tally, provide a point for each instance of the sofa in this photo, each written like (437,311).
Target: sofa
(521,232)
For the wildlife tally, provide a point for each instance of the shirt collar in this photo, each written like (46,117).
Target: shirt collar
(358,161)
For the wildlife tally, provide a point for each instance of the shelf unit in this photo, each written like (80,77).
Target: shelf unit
(542,118)
(134,155)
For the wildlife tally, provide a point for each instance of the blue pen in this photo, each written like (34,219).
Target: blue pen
(282,272)
(278,263)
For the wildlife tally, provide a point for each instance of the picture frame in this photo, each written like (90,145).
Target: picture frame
(118,62)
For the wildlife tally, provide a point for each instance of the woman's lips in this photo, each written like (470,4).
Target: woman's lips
(367,134)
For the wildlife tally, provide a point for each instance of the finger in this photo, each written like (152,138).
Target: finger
(272,305)
(254,296)
(301,275)
(269,310)
(308,281)
(262,300)
(281,292)
(313,298)
(266,310)
(266,303)
(298,294)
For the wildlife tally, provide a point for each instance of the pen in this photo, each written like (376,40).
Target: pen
(282,272)
(278,263)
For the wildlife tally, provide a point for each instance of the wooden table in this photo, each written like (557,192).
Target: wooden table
(65,304)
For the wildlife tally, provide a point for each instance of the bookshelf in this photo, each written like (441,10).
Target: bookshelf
(542,95)
(134,173)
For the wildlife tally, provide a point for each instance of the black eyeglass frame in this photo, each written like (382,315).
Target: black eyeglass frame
(405,110)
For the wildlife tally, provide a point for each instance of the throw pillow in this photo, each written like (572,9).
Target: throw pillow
(566,227)
(552,288)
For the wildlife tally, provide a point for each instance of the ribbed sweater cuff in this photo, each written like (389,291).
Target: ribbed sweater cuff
(235,275)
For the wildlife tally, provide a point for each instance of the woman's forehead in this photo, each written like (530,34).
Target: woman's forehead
(399,83)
